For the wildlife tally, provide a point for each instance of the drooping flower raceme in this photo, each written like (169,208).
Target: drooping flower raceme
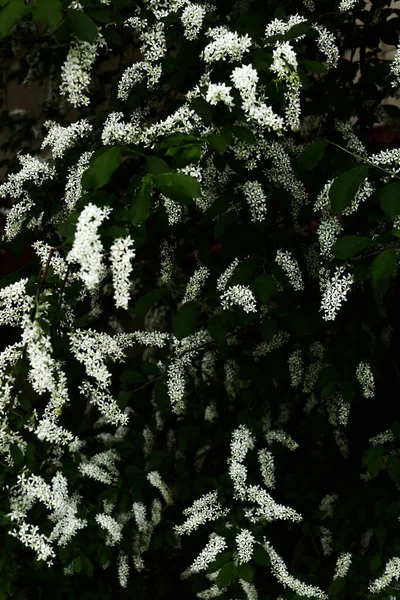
(121,255)
(87,249)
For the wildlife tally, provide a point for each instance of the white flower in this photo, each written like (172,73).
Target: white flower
(334,291)
(205,509)
(113,528)
(256,200)
(33,170)
(62,139)
(239,295)
(366,379)
(75,72)
(267,467)
(195,284)
(123,569)
(192,20)
(326,44)
(219,92)
(291,268)
(345,5)
(121,254)
(392,571)
(87,249)
(295,368)
(209,553)
(280,571)
(154,478)
(226,44)
(342,565)
(245,546)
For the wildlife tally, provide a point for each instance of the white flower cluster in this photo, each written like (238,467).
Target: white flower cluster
(61,138)
(280,338)
(326,44)
(280,571)
(245,78)
(123,569)
(382,438)
(326,540)
(342,565)
(112,527)
(256,199)
(395,68)
(353,142)
(87,249)
(101,466)
(366,379)
(205,509)
(346,5)
(33,170)
(327,505)
(334,291)
(192,18)
(295,368)
(75,72)
(137,73)
(216,545)
(392,571)
(155,479)
(245,546)
(195,284)
(291,268)
(278,435)
(239,295)
(32,489)
(267,467)
(278,27)
(225,44)
(219,92)
(15,304)
(226,275)
(121,255)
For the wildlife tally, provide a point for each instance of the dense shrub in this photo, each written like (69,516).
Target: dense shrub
(204,343)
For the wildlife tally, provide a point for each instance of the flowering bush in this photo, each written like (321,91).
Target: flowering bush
(187,362)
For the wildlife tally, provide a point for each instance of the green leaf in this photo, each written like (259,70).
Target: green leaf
(372,459)
(314,66)
(87,566)
(383,269)
(178,186)
(311,156)
(140,209)
(264,287)
(345,187)
(11,13)
(246,572)
(336,586)
(227,575)
(82,25)
(77,564)
(184,321)
(393,467)
(219,562)
(261,556)
(190,155)
(296,31)
(222,225)
(101,169)
(16,455)
(350,245)
(203,109)
(218,142)
(177,139)
(268,329)
(375,562)
(389,199)
(217,329)
(243,273)
(47,12)
(157,166)
(131,377)
(147,301)
(242,133)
